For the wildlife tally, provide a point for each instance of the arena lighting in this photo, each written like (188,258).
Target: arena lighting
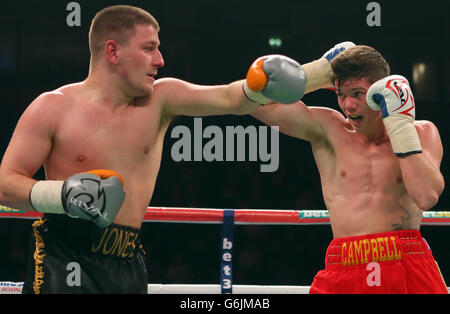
(275,42)
(425,79)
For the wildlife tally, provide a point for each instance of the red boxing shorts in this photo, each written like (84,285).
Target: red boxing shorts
(390,262)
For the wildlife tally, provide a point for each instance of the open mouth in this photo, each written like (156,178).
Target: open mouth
(356,118)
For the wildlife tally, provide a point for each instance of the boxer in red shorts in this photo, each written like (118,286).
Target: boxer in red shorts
(389,262)
(379,169)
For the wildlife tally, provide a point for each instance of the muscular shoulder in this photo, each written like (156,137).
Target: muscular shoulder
(330,121)
(327,115)
(167,86)
(173,88)
(424,125)
(164,91)
(166,82)
(48,103)
(57,99)
(430,141)
(428,133)
(426,128)
(46,110)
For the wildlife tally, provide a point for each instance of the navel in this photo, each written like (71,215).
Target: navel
(81,158)
(343,173)
(146,150)
(399,180)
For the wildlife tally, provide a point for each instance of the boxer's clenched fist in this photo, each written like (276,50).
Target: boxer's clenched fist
(393,96)
(94,195)
(275,78)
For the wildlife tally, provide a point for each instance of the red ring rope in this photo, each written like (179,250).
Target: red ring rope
(242,216)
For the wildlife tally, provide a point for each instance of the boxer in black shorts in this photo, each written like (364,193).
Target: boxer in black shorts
(116,119)
(95,260)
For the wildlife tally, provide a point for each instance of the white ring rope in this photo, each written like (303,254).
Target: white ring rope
(8,287)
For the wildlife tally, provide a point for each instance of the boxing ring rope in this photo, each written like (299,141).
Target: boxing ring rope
(242,216)
(227,217)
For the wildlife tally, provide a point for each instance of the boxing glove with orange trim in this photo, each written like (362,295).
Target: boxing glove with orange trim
(93,195)
(275,78)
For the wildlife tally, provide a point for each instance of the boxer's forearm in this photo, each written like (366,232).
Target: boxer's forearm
(423,181)
(238,101)
(15,191)
(318,74)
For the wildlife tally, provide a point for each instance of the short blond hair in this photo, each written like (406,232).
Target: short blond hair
(117,22)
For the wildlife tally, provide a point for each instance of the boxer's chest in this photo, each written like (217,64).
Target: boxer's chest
(371,168)
(105,138)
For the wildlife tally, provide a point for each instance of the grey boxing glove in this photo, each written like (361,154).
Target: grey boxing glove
(95,195)
(275,78)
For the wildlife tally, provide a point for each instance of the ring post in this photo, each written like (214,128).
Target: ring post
(226,265)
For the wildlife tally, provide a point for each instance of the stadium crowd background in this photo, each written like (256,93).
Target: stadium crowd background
(213,42)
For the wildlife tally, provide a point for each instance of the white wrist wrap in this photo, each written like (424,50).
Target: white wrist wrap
(45,197)
(403,136)
(318,75)
(255,96)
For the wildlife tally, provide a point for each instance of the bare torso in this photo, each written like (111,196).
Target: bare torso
(127,139)
(362,183)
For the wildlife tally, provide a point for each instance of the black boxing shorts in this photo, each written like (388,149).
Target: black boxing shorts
(70,255)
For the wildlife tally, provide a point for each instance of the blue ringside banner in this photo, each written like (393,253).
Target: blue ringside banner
(226,265)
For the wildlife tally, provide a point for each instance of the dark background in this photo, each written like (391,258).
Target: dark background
(212,42)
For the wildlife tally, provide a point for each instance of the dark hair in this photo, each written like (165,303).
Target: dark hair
(358,62)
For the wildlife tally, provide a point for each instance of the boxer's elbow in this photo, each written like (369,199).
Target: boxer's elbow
(8,191)
(427,203)
(3,192)
(436,191)
(429,198)
(426,191)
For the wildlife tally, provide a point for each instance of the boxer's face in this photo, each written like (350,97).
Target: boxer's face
(140,60)
(352,101)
